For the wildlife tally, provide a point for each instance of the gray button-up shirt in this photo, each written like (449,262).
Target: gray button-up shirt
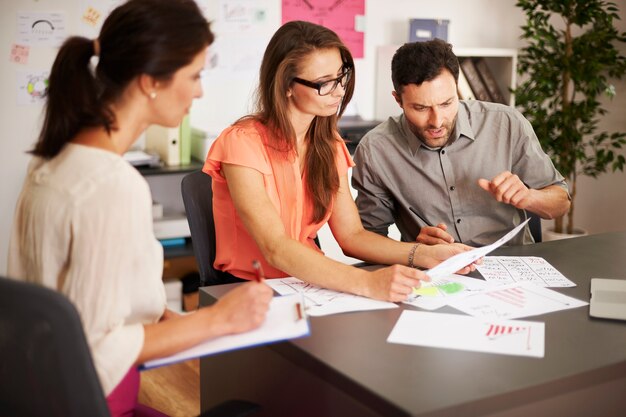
(395,170)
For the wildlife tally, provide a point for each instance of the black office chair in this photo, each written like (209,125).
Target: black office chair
(198,200)
(46,367)
(45,362)
(535,226)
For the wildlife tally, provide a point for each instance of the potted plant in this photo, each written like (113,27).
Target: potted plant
(567,65)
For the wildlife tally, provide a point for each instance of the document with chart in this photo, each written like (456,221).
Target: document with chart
(454,331)
(321,301)
(439,292)
(509,269)
(461,260)
(512,301)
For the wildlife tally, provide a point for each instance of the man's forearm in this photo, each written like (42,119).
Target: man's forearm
(550,202)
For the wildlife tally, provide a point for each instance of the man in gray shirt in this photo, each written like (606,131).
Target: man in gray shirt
(447,170)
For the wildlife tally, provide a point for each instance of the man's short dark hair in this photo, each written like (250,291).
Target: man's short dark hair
(416,62)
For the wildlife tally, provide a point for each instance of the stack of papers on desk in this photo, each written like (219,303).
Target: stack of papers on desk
(283,322)
(461,260)
(514,287)
(141,158)
(510,269)
(321,301)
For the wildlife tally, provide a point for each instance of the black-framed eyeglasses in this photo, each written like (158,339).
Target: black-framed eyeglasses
(326,87)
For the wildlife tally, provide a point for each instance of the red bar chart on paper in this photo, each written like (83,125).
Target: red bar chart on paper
(512,301)
(494,330)
(456,331)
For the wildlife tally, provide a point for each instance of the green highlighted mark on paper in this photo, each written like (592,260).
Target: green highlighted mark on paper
(438,290)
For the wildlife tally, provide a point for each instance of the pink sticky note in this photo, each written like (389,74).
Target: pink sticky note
(19,54)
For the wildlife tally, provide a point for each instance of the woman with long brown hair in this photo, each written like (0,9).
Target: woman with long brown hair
(281,173)
(83,222)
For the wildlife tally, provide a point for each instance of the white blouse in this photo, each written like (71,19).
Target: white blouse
(83,226)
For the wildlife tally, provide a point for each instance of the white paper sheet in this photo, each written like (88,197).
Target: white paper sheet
(511,301)
(509,269)
(453,331)
(321,301)
(459,261)
(441,291)
(281,323)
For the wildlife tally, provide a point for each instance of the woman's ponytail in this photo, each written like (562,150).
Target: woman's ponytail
(72,98)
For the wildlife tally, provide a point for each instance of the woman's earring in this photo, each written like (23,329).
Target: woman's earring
(153,95)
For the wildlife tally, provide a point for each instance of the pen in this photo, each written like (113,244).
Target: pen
(420,217)
(258,270)
(299,311)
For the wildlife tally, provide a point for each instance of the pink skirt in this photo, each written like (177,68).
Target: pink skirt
(122,401)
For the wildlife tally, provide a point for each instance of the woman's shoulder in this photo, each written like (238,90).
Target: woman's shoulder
(245,133)
(247,128)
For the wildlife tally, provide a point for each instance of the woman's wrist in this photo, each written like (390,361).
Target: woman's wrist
(411,260)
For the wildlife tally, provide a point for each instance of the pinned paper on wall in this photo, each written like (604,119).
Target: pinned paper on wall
(91,16)
(243,26)
(31,86)
(19,54)
(237,16)
(93,13)
(44,29)
(344,17)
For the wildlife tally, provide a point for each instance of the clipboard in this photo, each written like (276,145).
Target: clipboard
(285,320)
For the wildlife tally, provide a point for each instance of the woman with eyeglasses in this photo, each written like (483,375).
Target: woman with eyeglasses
(281,173)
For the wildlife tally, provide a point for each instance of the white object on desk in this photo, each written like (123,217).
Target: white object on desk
(461,260)
(140,158)
(512,301)
(453,331)
(509,269)
(436,298)
(608,298)
(284,320)
(321,301)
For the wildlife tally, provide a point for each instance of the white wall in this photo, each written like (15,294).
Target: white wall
(473,23)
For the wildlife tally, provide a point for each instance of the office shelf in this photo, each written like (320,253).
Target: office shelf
(174,169)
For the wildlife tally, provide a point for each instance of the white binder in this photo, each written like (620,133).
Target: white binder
(166,142)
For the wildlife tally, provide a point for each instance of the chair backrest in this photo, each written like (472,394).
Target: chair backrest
(45,362)
(535,226)
(197,192)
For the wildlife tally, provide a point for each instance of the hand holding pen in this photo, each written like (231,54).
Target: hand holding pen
(432,235)
(243,308)
(260,276)
(258,270)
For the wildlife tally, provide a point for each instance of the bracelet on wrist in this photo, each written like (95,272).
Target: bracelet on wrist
(412,255)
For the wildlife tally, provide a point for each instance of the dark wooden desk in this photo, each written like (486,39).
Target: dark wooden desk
(346,367)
